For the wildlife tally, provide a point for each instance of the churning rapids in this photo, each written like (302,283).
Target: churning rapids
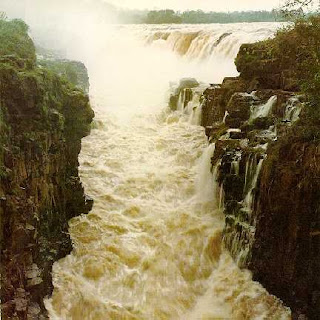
(151,247)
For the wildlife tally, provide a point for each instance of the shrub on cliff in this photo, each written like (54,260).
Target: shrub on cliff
(294,54)
(14,40)
(301,45)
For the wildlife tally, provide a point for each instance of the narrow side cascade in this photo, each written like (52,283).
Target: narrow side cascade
(262,111)
(196,113)
(248,200)
(242,127)
(207,181)
(293,110)
(181,100)
(187,99)
(240,218)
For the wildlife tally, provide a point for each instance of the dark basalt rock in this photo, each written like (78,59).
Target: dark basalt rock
(258,65)
(285,255)
(42,121)
(278,236)
(185,84)
(188,83)
(88,202)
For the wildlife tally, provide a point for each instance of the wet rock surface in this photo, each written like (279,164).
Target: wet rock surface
(42,121)
(270,177)
(285,254)
(182,89)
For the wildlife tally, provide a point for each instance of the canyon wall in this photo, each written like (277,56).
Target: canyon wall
(42,120)
(270,175)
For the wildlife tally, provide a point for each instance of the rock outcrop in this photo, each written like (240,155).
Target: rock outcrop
(269,172)
(286,249)
(182,94)
(42,120)
(73,71)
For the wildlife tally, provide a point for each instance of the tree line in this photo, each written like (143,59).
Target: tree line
(198,16)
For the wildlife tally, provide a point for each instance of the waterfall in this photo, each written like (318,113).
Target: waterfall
(251,185)
(248,172)
(206,41)
(193,104)
(293,109)
(151,247)
(195,117)
(180,106)
(260,111)
(221,196)
(225,116)
(189,105)
(240,224)
(195,110)
(207,181)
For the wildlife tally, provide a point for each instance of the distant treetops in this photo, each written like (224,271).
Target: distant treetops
(199,16)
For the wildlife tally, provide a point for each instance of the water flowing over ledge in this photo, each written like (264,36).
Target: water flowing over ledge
(151,247)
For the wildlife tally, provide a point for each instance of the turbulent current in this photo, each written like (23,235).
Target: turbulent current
(151,247)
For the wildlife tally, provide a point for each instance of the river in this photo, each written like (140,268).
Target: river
(151,247)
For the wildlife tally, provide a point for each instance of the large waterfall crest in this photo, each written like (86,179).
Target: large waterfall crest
(208,41)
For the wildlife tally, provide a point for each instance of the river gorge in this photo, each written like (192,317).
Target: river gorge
(168,175)
(151,247)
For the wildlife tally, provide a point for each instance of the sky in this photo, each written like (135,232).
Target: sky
(206,5)
(178,5)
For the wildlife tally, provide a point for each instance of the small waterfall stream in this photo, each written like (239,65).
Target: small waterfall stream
(181,101)
(206,184)
(260,111)
(255,171)
(293,110)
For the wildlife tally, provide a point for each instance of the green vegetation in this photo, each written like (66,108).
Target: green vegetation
(295,53)
(294,9)
(198,16)
(72,71)
(230,17)
(29,91)
(299,46)
(14,39)
(163,16)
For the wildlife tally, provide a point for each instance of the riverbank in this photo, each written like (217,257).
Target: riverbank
(43,118)
(265,131)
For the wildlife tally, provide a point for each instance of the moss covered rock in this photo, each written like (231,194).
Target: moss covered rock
(42,120)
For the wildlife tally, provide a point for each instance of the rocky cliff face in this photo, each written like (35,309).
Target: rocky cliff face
(269,172)
(270,176)
(285,253)
(42,120)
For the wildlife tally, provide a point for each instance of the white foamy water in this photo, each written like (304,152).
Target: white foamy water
(211,41)
(261,111)
(151,247)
